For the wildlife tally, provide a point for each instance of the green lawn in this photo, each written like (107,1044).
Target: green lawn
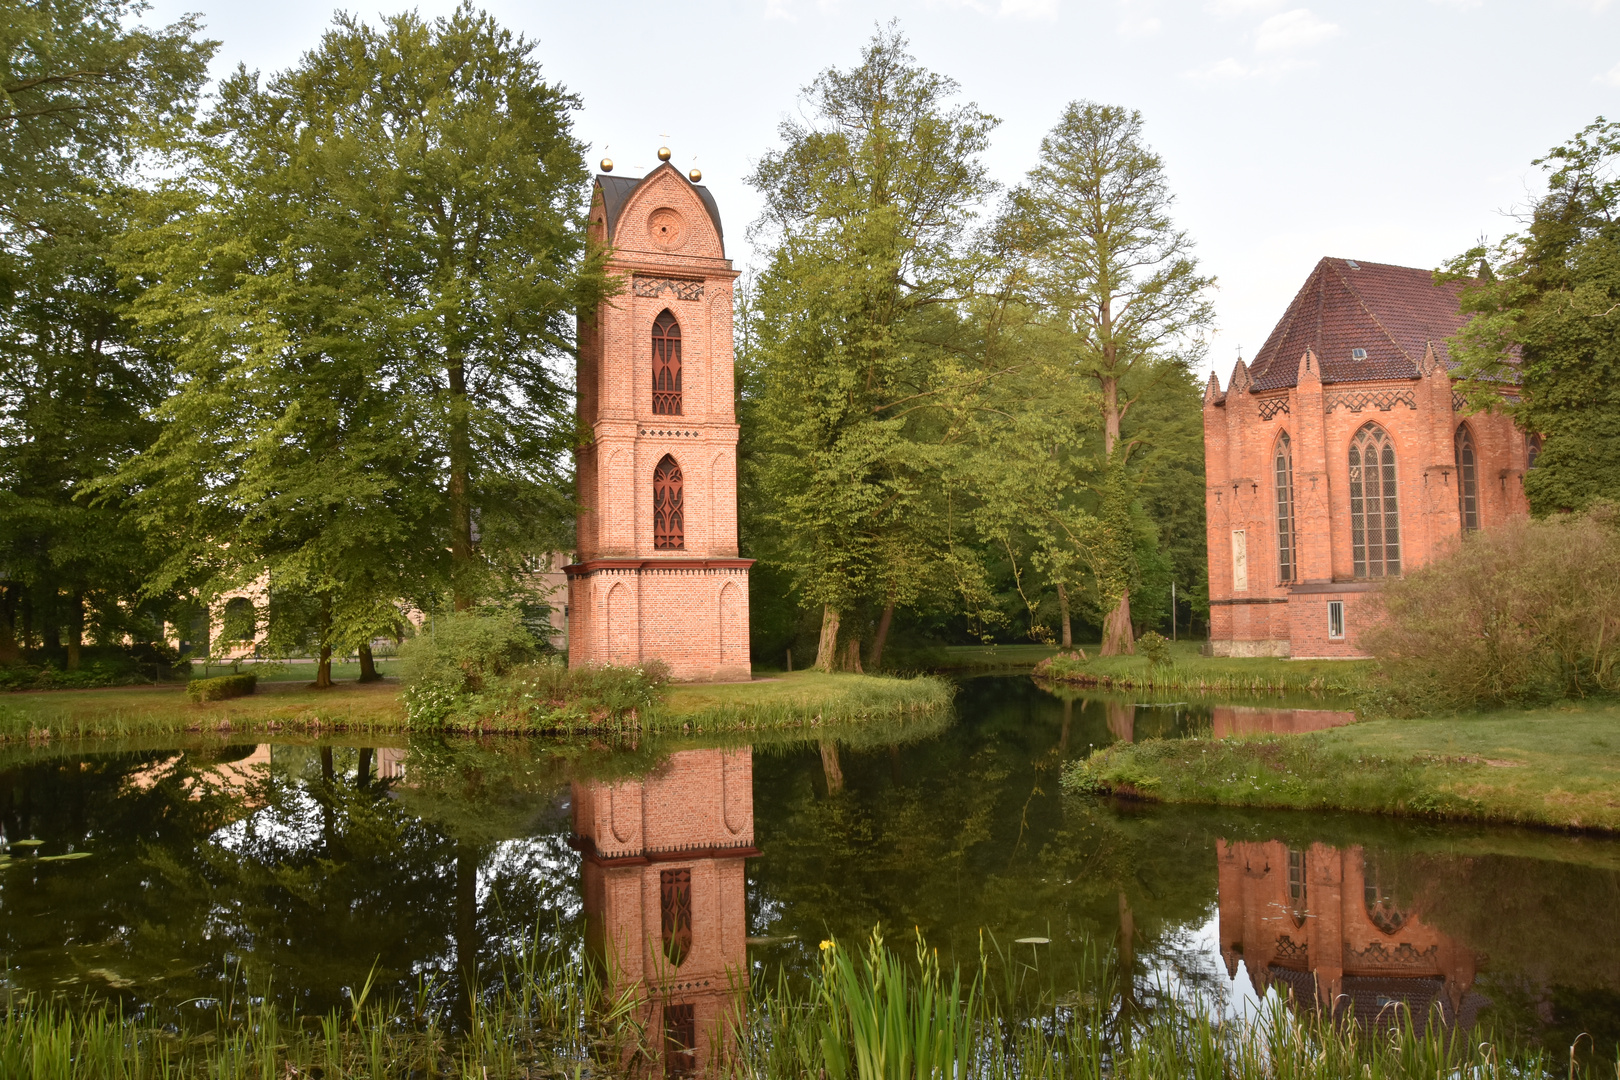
(1557,766)
(1189,669)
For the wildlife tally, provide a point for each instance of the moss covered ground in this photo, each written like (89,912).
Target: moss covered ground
(1554,767)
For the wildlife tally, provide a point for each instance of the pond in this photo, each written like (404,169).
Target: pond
(172,876)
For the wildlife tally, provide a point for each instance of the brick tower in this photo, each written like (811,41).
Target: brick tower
(657,574)
(665,894)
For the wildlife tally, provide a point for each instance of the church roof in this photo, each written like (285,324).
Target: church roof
(1390,312)
(616,191)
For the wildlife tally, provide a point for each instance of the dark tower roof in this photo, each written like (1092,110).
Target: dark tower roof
(616,191)
(1391,312)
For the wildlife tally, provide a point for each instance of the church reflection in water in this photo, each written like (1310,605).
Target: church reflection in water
(1319,925)
(664,893)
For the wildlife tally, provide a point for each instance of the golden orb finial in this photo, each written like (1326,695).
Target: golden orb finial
(696,175)
(607,164)
(663,153)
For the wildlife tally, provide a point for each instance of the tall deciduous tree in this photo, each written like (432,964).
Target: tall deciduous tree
(1109,268)
(867,204)
(81,93)
(1548,319)
(368,281)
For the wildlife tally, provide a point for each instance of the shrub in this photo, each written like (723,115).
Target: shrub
(1155,646)
(1523,612)
(461,652)
(226,686)
(545,696)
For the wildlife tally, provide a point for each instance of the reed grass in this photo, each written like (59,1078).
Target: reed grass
(866,1014)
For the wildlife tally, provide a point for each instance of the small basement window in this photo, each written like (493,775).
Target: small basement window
(1335,618)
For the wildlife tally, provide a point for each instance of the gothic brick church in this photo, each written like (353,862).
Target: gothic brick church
(657,573)
(1342,457)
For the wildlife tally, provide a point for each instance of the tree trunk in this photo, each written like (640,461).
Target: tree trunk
(1068,719)
(10,646)
(466,931)
(363,778)
(368,665)
(875,661)
(1063,609)
(461,549)
(854,660)
(1117,637)
(323,670)
(75,631)
(831,768)
(826,648)
(328,771)
(1125,951)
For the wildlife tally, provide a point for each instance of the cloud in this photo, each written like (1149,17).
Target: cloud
(1232,69)
(1139,28)
(1460,5)
(1292,31)
(1028,9)
(1610,77)
(1228,9)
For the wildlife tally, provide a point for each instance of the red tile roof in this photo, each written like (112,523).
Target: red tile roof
(1390,311)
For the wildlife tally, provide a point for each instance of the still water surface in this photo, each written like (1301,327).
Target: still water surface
(297,867)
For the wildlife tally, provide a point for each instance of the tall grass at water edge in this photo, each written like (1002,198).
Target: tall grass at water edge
(866,1014)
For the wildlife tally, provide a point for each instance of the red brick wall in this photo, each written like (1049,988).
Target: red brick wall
(686,611)
(699,801)
(1240,436)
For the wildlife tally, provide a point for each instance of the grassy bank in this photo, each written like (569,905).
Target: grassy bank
(1557,767)
(868,1012)
(799,700)
(1188,669)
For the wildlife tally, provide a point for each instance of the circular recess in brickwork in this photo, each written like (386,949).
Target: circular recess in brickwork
(667,228)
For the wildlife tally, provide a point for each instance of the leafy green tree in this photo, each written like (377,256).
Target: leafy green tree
(1108,268)
(1547,309)
(81,95)
(867,207)
(367,279)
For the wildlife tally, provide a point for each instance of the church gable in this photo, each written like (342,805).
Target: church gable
(662,213)
(1366,321)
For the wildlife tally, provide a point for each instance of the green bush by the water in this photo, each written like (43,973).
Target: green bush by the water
(221,687)
(1180,666)
(1521,613)
(866,1013)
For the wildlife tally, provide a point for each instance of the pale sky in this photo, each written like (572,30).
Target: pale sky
(1395,132)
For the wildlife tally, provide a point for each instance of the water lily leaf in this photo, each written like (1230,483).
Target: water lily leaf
(1034,941)
(65,858)
(26,843)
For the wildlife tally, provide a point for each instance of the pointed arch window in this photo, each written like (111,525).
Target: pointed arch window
(669,518)
(1532,450)
(675,913)
(1283,465)
(1467,480)
(1375,519)
(666,365)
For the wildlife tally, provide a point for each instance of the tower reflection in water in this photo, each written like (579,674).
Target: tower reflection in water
(1318,925)
(664,893)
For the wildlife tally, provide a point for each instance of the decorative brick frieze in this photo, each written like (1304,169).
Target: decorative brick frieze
(655,287)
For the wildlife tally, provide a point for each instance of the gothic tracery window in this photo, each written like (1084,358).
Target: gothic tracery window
(675,913)
(1467,480)
(1284,465)
(669,518)
(1532,450)
(1375,520)
(666,365)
